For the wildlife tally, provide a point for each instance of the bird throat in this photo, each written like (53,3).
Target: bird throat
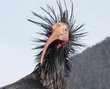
(53,73)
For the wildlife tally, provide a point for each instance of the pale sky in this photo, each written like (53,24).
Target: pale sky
(16,33)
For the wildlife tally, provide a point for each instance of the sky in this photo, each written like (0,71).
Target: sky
(16,33)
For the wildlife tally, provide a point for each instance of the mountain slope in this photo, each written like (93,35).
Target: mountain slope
(91,68)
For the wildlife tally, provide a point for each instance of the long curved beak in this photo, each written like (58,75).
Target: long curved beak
(52,38)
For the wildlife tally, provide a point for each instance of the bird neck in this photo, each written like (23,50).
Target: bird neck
(53,73)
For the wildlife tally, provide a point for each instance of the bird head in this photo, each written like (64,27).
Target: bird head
(59,35)
(59,28)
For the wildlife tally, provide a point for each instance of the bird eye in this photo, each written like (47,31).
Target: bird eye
(65,29)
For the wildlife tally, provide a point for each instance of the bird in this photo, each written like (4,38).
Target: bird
(61,41)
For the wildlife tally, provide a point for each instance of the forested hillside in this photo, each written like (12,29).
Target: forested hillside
(91,68)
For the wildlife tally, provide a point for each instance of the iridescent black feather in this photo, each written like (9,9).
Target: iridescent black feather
(55,70)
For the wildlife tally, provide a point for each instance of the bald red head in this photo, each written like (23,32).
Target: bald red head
(60,32)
